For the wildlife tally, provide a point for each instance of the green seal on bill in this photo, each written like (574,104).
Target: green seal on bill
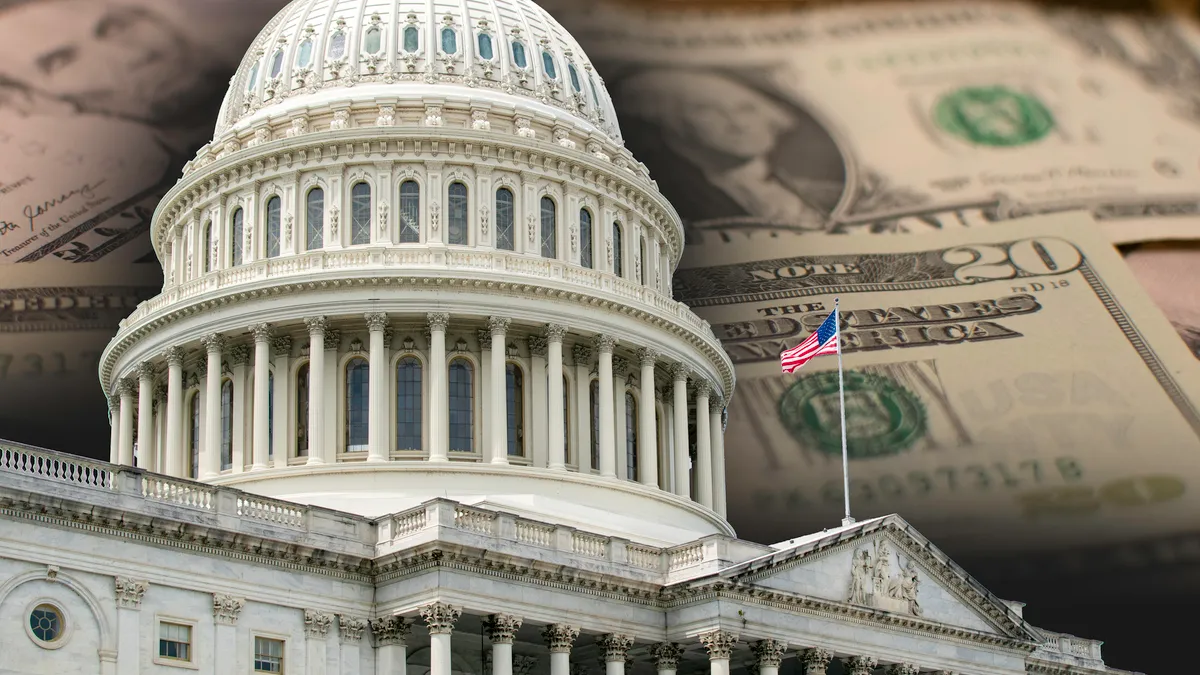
(995,116)
(882,417)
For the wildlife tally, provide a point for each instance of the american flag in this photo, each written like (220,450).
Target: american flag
(824,341)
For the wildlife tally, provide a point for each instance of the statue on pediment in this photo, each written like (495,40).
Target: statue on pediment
(872,583)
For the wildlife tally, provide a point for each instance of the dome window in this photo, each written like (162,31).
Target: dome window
(574,77)
(449,41)
(337,46)
(595,96)
(306,49)
(277,63)
(412,39)
(253,78)
(374,41)
(518,51)
(548,65)
(485,47)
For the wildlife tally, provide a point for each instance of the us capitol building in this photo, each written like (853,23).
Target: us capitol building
(416,399)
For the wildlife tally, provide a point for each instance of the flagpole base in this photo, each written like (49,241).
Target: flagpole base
(847,521)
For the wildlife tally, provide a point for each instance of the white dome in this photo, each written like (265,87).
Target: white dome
(510,51)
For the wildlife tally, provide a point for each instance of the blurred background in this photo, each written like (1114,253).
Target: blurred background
(708,93)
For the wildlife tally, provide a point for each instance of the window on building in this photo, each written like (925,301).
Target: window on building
(618,257)
(268,655)
(175,641)
(505,220)
(485,47)
(594,397)
(518,51)
(194,438)
(595,96)
(227,425)
(641,254)
(277,63)
(408,404)
(315,220)
(410,212)
(462,406)
(337,46)
(456,214)
(207,250)
(449,41)
(305,54)
(374,41)
(631,437)
(235,238)
(585,238)
(46,622)
(548,66)
(412,39)
(549,229)
(357,405)
(515,406)
(274,222)
(360,218)
(302,411)
(574,74)
(253,78)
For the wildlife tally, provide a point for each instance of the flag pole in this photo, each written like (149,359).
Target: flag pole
(837,324)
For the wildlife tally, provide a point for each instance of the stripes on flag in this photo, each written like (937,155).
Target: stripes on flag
(824,341)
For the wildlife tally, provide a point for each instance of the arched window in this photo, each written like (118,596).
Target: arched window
(410,212)
(412,39)
(274,219)
(631,437)
(270,414)
(360,218)
(194,438)
(518,51)
(358,405)
(505,219)
(548,66)
(305,54)
(374,41)
(226,425)
(456,214)
(235,239)
(302,411)
(594,396)
(408,404)
(585,238)
(449,40)
(515,393)
(574,77)
(618,258)
(277,63)
(592,86)
(253,78)
(337,46)
(549,229)
(206,261)
(462,406)
(485,47)
(315,220)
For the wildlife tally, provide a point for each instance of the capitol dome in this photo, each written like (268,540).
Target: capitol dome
(416,261)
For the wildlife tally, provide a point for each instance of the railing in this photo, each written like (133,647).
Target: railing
(163,489)
(538,534)
(410,522)
(55,466)
(589,545)
(643,556)
(474,520)
(686,557)
(271,511)
(1069,645)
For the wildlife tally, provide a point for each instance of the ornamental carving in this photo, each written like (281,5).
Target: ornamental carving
(213,343)
(483,219)
(559,637)
(719,643)
(438,321)
(647,357)
(479,120)
(384,222)
(299,127)
(341,120)
(239,355)
(530,227)
(376,321)
(680,372)
(861,665)
(620,367)
(317,325)
(574,238)
(391,630)
(537,346)
(555,332)
(387,116)
(129,592)
(615,646)
(316,624)
(815,660)
(262,135)
(433,116)
(334,218)
(703,388)
(282,345)
(333,339)
(904,669)
(768,653)
(502,628)
(562,136)
(351,628)
(525,128)
(605,343)
(666,655)
(226,609)
(287,231)
(498,325)
(597,151)
(435,216)
(440,617)
(582,355)
(261,331)
(174,356)
(872,583)
(523,665)
(145,371)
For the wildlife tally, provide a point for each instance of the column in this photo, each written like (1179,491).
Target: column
(668,450)
(145,455)
(281,439)
(620,371)
(583,406)
(316,632)
(556,429)
(615,648)
(484,337)
(666,657)
(704,477)
(125,451)
(716,407)
(350,629)
(439,401)
(647,430)
(679,406)
(316,388)
(768,654)
(391,645)
(540,418)
(114,426)
(608,447)
(329,396)
(210,453)
(719,644)
(502,630)
(902,669)
(174,452)
(239,357)
(860,665)
(262,373)
(378,405)
(559,637)
(440,618)
(816,660)
(226,610)
(129,601)
(499,416)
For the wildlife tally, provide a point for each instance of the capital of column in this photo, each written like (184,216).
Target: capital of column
(816,660)
(498,325)
(582,354)
(559,637)
(861,665)
(126,387)
(376,321)
(227,609)
(174,356)
(647,357)
(316,624)
(555,332)
(605,343)
(145,370)
(261,331)
(351,628)
(502,628)
(438,320)
(666,655)
(391,630)
(615,646)
(703,388)
(768,652)
(620,366)
(239,355)
(213,343)
(716,403)
(523,665)
(388,333)
(333,339)
(719,643)
(537,346)
(317,325)
(440,617)
(904,669)
(129,592)
(282,345)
